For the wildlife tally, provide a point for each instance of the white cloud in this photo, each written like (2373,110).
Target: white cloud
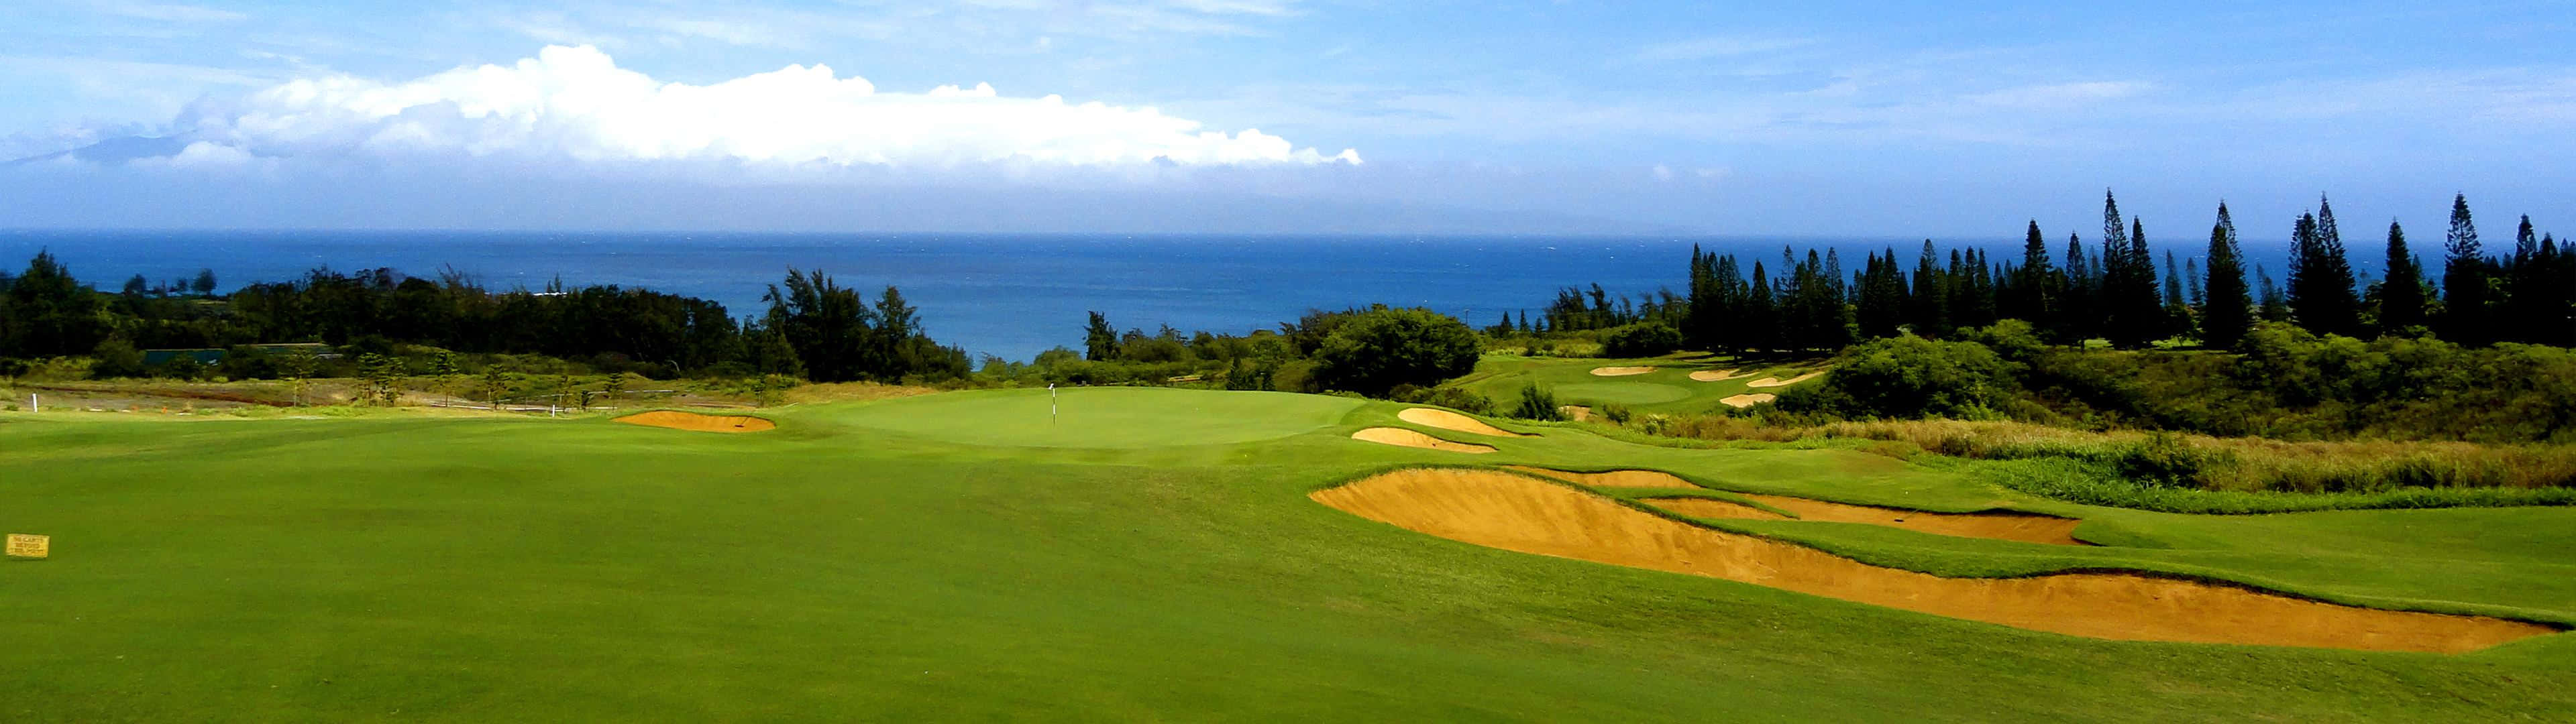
(575,103)
(1662,172)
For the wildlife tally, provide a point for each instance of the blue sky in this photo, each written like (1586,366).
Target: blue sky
(1799,118)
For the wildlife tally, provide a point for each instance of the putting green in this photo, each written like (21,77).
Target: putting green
(1103,417)
(1621,393)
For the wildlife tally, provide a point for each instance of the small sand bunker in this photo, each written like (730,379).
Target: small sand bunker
(701,423)
(1749,400)
(1409,438)
(1577,413)
(1447,420)
(1620,371)
(1512,512)
(1717,375)
(1777,382)
(2025,527)
(1614,478)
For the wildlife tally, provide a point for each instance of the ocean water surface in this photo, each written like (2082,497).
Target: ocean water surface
(1011,295)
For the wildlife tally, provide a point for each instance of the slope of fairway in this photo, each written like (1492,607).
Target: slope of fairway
(857,564)
(1102,417)
(1681,383)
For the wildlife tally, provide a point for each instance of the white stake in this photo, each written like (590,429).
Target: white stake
(1050,403)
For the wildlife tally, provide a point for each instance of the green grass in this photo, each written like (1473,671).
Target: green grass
(1668,389)
(922,558)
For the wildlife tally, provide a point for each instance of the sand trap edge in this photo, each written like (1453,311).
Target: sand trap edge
(1401,437)
(698,421)
(1451,421)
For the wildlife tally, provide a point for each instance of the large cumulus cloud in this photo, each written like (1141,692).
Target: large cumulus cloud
(575,103)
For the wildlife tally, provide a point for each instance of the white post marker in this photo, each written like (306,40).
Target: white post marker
(1050,403)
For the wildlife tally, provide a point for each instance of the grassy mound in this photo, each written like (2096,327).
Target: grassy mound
(1102,417)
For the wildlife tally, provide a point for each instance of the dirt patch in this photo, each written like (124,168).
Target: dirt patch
(1512,512)
(1777,382)
(1409,438)
(2025,527)
(677,420)
(1614,478)
(1717,375)
(1749,400)
(1620,371)
(1447,420)
(1577,413)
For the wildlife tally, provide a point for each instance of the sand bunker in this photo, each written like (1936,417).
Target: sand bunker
(1614,478)
(2025,527)
(1620,371)
(1447,420)
(1512,512)
(1577,413)
(697,422)
(1777,382)
(1717,375)
(1749,400)
(1409,438)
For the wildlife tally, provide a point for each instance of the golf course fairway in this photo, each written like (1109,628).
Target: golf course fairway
(1147,554)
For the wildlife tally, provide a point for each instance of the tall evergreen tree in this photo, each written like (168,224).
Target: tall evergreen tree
(2321,295)
(2465,269)
(1761,313)
(2401,294)
(2275,308)
(2078,318)
(2229,310)
(2177,308)
(1931,308)
(2035,284)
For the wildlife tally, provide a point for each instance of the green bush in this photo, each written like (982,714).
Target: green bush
(1909,377)
(1538,404)
(1449,397)
(1643,339)
(1616,414)
(1376,350)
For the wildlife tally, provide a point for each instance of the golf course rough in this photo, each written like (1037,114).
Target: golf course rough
(1446,420)
(699,422)
(1407,438)
(1518,513)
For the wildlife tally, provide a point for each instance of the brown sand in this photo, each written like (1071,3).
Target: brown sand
(1620,371)
(1409,438)
(1614,478)
(1717,375)
(1512,512)
(701,423)
(2025,527)
(1447,420)
(1749,400)
(1577,413)
(1777,382)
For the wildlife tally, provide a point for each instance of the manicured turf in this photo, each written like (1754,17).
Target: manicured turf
(860,564)
(1667,389)
(1104,417)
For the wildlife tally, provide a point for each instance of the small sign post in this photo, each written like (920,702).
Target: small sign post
(22,545)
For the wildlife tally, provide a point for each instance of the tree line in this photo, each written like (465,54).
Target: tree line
(812,327)
(2117,289)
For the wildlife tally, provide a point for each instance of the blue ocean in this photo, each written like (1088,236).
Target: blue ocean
(1011,295)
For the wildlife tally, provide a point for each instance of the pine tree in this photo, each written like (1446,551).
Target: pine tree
(2077,317)
(2191,280)
(1761,314)
(2275,308)
(2228,311)
(2321,295)
(2465,269)
(2401,294)
(2177,309)
(2523,314)
(2034,284)
(1931,312)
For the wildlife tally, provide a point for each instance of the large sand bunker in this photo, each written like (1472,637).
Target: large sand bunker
(1717,375)
(1614,478)
(1447,420)
(1777,382)
(1518,513)
(701,423)
(1409,438)
(2025,527)
(1620,371)
(1749,400)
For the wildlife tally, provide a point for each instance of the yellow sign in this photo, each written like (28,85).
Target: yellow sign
(22,545)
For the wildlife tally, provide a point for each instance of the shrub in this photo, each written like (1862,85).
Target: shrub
(1376,350)
(1616,414)
(1449,397)
(1643,339)
(1908,377)
(1538,404)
